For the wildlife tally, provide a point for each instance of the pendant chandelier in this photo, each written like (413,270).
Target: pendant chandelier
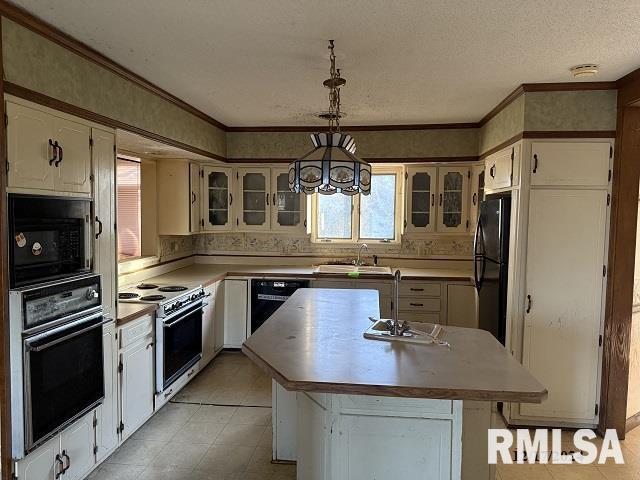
(332,166)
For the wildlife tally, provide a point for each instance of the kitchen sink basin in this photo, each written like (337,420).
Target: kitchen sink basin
(353,269)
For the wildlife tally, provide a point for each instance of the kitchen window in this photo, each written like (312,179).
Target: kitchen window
(129,208)
(376,217)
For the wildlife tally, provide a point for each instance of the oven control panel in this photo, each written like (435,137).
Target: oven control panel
(182,302)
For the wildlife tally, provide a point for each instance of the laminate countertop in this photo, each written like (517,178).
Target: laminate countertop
(206,274)
(128,312)
(315,343)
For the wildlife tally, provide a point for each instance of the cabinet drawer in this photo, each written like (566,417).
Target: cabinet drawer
(136,330)
(420,289)
(415,316)
(419,304)
(384,289)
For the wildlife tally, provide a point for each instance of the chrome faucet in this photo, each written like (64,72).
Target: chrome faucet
(360,262)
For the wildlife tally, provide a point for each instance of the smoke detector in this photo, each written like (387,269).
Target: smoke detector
(586,70)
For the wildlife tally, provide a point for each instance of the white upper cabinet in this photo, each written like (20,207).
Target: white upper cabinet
(178,189)
(499,168)
(421,199)
(477,193)
(217,198)
(46,152)
(253,211)
(103,156)
(570,163)
(74,154)
(288,209)
(453,188)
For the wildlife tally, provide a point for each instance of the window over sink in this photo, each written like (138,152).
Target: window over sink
(347,219)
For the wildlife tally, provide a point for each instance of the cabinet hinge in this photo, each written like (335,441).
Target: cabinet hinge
(305,223)
(90,142)
(469,174)
(95,449)
(201,173)
(237,176)
(6,119)
(608,199)
(7,164)
(604,270)
(405,224)
(95,422)
(600,341)
(202,222)
(610,151)
(467,223)
(609,177)
(120,367)
(512,153)
(91,178)
(596,409)
(114,149)
(237,222)
(406,175)
(121,427)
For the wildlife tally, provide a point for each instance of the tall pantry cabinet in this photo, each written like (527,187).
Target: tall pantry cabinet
(562,272)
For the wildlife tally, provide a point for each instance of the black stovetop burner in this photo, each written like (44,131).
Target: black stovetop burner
(146,286)
(152,298)
(127,295)
(172,288)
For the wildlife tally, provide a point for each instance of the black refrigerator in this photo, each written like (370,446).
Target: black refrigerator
(490,265)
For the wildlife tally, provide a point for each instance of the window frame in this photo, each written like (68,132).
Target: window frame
(398,171)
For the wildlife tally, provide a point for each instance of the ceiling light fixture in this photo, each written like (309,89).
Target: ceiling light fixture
(332,166)
(586,70)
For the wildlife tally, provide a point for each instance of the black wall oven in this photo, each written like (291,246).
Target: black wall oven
(57,365)
(178,344)
(49,238)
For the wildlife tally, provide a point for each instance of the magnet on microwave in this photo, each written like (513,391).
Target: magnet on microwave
(36,249)
(21,240)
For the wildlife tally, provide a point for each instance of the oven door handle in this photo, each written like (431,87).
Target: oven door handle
(66,337)
(182,317)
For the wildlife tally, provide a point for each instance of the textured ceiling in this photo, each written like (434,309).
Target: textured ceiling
(406,61)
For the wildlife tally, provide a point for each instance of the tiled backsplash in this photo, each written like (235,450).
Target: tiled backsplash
(278,244)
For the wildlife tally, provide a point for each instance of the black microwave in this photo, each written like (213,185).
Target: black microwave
(50,238)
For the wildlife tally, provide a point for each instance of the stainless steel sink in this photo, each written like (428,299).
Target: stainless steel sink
(353,269)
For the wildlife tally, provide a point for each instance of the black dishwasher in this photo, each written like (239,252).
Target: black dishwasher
(268,295)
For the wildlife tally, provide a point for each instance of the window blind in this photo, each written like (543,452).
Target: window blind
(128,192)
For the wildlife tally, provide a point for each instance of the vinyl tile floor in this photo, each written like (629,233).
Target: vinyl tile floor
(219,428)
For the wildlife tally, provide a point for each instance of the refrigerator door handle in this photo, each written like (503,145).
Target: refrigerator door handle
(477,238)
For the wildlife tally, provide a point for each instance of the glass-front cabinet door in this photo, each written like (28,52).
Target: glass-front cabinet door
(453,188)
(255,199)
(288,209)
(217,196)
(421,199)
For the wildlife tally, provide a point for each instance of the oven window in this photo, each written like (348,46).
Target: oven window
(182,344)
(65,378)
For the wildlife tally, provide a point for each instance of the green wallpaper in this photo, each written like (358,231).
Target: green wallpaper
(36,63)
(506,124)
(579,110)
(383,144)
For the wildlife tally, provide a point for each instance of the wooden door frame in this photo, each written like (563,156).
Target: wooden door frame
(622,245)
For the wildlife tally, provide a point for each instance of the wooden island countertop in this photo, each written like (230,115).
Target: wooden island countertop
(315,343)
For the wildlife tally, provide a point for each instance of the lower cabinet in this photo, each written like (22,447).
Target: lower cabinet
(68,456)
(107,413)
(462,308)
(235,312)
(136,368)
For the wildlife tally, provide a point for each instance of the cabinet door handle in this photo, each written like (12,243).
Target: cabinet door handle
(193,198)
(59,465)
(417,289)
(433,199)
(60,153)
(528,303)
(274,199)
(54,151)
(440,199)
(417,304)
(150,345)
(64,455)
(492,171)
(535,162)
(267,199)
(99,227)
(230,199)
(474,198)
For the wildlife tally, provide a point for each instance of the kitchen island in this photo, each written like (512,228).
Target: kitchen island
(375,409)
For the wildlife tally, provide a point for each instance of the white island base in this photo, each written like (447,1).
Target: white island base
(362,437)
